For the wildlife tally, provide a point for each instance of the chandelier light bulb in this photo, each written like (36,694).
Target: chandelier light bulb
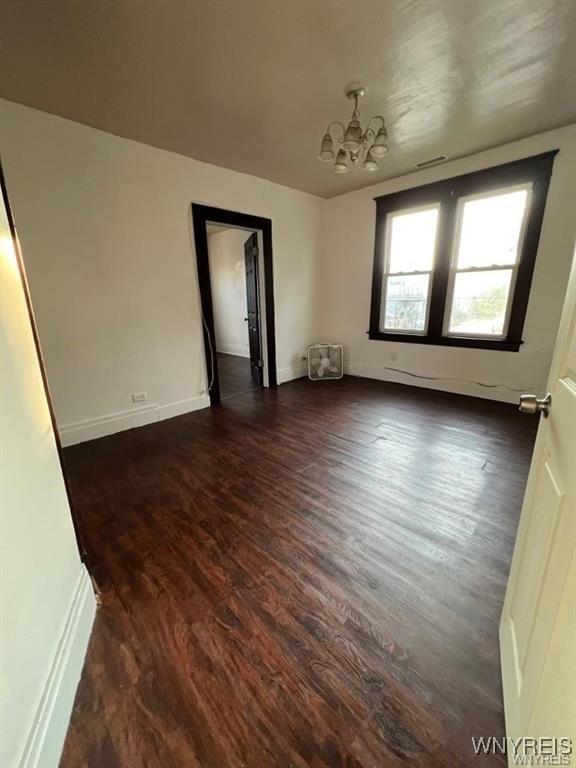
(380,147)
(341,166)
(326,149)
(352,136)
(370,164)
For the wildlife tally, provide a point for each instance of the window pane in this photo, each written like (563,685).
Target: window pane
(412,241)
(406,299)
(491,230)
(479,302)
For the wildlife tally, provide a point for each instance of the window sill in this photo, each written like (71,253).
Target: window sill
(503,345)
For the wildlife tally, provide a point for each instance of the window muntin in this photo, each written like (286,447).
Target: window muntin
(408,264)
(488,240)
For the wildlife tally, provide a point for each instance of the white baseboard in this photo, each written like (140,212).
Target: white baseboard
(292,372)
(90,429)
(46,737)
(471,389)
(240,350)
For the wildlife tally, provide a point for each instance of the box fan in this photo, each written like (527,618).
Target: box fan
(325,361)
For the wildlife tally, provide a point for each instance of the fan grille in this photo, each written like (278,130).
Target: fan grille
(325,361)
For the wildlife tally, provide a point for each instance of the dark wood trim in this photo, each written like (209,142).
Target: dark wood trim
(536,170)
(377,273)
(529,251)
(441,274)
(448,341)
(492,177)
(24,280)
(201,215)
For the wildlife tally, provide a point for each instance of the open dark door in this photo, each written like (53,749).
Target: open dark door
(253,319)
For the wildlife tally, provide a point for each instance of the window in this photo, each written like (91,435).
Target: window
(453,260)
(489,233)
(409,257)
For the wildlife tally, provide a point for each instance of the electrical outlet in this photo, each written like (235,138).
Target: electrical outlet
(139,397)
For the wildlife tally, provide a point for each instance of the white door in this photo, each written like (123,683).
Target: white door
(538,626)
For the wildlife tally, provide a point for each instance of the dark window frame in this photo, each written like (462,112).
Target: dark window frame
(535,170)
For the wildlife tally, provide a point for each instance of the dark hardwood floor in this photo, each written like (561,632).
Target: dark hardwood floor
(234,373)
(304,577)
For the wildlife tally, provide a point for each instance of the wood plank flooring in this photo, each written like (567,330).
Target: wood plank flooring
(234,373)
(307,577)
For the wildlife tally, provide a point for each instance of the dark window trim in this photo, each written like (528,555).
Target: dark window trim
(201,214)
(536,170)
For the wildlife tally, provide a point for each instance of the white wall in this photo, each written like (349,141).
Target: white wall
(105,227)
(346,276)
(228,279)
(104,223)
(47,604)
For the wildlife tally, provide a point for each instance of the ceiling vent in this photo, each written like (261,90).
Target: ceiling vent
(432,161)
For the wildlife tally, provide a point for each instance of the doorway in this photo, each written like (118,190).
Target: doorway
(234,257)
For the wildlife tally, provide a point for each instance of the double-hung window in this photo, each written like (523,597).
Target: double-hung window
(453,260)
(409,260)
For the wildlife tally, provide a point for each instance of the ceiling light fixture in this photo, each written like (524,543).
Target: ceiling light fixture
(357,147)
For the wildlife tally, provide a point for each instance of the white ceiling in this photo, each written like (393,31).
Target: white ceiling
(251,84)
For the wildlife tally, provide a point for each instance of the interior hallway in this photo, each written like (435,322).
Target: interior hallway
(235,375)
(310,576)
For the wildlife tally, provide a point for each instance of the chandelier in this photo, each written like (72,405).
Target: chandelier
(356,146)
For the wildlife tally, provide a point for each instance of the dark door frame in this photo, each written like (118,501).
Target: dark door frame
(201,215)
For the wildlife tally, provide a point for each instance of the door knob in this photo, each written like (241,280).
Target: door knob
(532,404)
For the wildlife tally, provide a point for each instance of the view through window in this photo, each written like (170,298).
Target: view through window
(409,260)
